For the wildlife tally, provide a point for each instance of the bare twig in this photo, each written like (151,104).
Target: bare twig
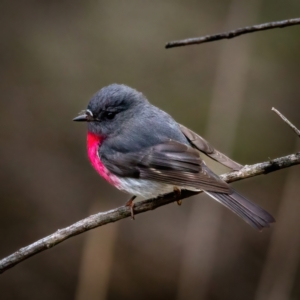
(286,121)
(276,281)
(233,33)
(123,212)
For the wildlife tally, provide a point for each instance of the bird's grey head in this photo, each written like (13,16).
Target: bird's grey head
(110,107)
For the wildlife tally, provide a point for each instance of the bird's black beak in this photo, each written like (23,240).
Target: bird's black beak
(81,118)
(84,116)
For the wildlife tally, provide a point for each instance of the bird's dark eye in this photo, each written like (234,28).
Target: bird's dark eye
(109,115)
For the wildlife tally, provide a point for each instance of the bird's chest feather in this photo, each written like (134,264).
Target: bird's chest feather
(93,144)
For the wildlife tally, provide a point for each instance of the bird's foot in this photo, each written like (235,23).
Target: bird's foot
(177,191)
(130,203)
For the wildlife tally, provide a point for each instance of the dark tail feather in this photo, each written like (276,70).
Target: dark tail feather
(254,215)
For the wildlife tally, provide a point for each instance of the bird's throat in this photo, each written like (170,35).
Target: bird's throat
(93,143)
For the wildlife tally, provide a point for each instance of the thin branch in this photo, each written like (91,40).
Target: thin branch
(123,212)
(233,33)
(286,121)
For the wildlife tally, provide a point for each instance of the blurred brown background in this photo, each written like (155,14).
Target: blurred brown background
(54,56)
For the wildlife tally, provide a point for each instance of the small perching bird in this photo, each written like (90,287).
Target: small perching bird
(143,151)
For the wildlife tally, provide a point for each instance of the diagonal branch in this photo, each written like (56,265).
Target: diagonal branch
(233,33)
(297,131)
(123,212)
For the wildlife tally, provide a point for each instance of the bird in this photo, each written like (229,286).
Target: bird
(141,150)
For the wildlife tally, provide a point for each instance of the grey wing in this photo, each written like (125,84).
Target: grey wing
(171,162)
(202,145)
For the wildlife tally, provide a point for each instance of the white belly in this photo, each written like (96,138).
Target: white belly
(147,188)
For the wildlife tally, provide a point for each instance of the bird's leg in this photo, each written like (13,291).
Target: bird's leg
(178,193)
(130,203)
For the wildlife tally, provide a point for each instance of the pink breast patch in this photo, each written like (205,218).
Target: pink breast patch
(93,144)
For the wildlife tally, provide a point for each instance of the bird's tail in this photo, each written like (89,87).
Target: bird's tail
(254,215)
